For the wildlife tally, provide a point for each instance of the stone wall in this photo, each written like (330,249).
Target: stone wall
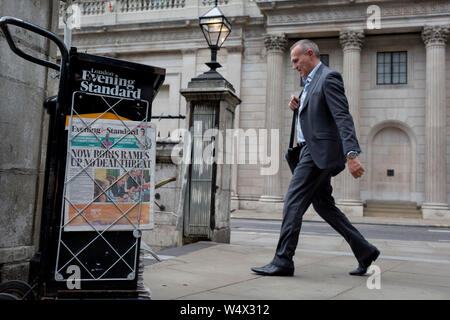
(447,82)
(167,231)
(23,88)
(394,106)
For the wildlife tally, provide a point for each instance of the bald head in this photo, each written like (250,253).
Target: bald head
(304,57)
(305,45)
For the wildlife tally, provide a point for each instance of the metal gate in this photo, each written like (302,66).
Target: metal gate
(199,218)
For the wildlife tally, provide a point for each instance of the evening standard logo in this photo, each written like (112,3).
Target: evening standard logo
(109,83)
(99,131)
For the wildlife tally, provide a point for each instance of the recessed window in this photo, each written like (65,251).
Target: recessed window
(391,67)
(325,58)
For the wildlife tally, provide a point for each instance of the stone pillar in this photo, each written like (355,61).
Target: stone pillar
(211,104)
(435,202)
(272,199)
(234,64)
(351,42)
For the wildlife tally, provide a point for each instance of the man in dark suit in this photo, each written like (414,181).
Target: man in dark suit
(327,138)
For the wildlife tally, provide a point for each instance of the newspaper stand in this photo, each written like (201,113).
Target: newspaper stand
(101,260)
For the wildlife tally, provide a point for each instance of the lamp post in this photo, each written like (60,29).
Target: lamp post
(211,103)
(216,28)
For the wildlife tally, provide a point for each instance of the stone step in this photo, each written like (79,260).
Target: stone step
(393,215)
(393,209)
(391,204)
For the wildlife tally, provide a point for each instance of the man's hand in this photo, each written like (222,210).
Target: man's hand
(294,103)
(355,167)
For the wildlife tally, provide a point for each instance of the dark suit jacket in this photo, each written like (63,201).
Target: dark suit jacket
(326,123)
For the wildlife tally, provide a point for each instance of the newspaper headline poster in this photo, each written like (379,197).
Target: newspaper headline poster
(110,175)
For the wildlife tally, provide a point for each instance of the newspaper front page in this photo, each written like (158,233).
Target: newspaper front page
(109,175)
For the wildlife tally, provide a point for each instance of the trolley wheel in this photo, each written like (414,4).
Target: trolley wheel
(20,289)
(8,296)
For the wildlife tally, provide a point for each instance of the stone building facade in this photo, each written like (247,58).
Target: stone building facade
(23,130)
(392,54)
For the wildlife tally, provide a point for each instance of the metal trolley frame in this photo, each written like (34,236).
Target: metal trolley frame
(107,258)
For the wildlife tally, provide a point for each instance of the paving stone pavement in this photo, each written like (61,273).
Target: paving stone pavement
(213,271)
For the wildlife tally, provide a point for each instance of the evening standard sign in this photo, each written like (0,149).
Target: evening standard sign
(108,83)
(110,175)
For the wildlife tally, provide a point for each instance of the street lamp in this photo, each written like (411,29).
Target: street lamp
(216,28)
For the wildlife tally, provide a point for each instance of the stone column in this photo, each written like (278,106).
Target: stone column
(234,63)
(435,202)
(272,199)
(351,42)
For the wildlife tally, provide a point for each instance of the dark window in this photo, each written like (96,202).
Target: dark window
(325,58)
(391,67)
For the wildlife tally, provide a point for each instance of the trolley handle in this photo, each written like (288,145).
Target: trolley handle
(4,21)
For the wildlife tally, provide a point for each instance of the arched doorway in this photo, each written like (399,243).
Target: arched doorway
(391,163)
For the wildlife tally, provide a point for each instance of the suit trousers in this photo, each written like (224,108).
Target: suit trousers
(309,184)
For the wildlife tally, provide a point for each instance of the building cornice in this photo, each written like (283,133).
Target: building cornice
(238,21)
(136,40)
(268,6)
(308,12)
(154,36)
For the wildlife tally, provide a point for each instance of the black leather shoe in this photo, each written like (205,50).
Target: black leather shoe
(273,270)
(363,266)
